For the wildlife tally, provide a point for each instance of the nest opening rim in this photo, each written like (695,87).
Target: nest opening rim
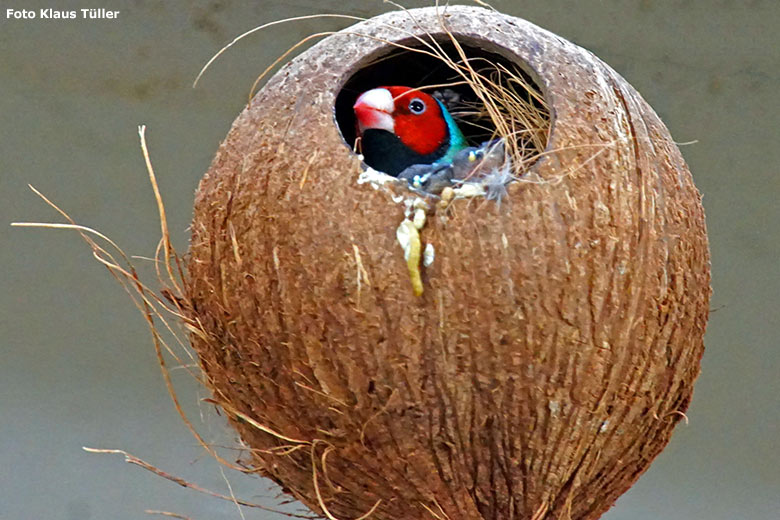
(404,62)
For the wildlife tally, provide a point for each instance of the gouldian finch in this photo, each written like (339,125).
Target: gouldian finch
(400,127)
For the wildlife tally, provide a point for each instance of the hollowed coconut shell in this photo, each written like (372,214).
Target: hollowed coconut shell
(556,342)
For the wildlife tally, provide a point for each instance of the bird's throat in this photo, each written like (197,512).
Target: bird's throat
(385,152)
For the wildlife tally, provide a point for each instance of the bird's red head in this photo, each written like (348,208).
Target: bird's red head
(414,116)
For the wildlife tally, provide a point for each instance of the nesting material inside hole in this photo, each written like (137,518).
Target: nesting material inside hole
(496,106)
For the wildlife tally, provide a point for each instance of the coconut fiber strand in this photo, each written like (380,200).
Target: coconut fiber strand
(556,342)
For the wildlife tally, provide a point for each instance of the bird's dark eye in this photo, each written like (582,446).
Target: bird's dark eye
(416,106)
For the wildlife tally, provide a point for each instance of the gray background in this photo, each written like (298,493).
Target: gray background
(77,364)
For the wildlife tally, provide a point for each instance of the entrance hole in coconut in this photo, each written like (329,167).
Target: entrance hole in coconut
(519,111)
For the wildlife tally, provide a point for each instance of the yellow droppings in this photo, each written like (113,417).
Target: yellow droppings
(409,238)
(419,218)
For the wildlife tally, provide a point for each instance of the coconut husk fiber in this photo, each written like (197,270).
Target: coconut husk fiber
(556,342)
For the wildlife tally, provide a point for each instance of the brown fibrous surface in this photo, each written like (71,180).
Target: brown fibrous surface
(559,334)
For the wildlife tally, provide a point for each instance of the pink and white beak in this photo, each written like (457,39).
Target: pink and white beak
(374,109)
